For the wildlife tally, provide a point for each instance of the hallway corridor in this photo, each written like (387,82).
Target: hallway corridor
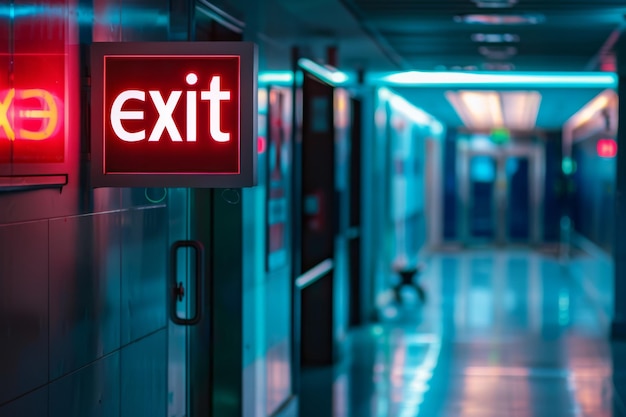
(503,334)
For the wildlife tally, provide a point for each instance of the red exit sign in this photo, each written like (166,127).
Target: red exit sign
(174,114)
(606,148)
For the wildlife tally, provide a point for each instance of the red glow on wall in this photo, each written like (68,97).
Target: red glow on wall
(607,148)
(32,115)
(33,88)
(171,114)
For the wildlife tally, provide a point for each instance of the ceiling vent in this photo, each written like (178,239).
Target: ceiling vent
(495,4)
(497,53)
(498,66)
(495,37)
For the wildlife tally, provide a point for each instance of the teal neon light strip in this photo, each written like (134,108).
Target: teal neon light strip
(276,77)
(332,76)
(495,79)
(416,114)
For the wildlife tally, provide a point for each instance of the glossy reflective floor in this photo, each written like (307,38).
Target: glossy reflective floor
(502,333)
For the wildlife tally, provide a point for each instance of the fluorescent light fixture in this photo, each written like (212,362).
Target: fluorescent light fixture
(599,102)
(492,79)
(330,75)
(417,115)
(520,109)
(276,77)
(486,110)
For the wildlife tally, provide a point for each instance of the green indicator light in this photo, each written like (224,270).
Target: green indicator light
(500,136)
(568,165)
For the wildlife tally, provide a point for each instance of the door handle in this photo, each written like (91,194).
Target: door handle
(177,287)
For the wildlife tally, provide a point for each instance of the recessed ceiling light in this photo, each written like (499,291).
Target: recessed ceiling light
(495,37)
(498,53)
(464,68)
(498,66)
(500,19)
(495,4)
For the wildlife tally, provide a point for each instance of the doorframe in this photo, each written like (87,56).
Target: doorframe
(466,150)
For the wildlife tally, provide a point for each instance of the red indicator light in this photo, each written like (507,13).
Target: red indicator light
(261,145)
(607,148)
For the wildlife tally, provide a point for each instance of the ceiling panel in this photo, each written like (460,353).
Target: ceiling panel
(426,35)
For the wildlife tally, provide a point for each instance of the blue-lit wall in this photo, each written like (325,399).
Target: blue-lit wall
(591,202)
(554,188)
(593,197)
(450,188)
(395,219)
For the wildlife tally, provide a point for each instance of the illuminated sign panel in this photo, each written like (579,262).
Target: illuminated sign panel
(606,148)
(32,115)
(174,114)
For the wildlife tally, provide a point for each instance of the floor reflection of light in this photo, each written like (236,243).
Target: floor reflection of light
(496,371)
(419,386)
(564,307)
(589,380)
(405,385)
(340,396)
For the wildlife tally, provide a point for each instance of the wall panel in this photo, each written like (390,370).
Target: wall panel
(34,404)
(23,308)
(84,290)
(144,264)
(92,391)
(144,377)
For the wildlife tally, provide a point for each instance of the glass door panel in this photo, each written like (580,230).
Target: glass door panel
(518,199)
(482,184)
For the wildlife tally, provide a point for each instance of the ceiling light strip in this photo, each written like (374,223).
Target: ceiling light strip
(494,79)
(330,75)
(414,113)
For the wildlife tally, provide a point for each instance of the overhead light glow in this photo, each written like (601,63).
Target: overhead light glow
(416,114)
(496,79)
(486,110)
(520,109)
(331,75)
(276,77)
(600,102)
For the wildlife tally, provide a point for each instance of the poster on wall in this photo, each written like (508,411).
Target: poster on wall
(174,114)
(279,131)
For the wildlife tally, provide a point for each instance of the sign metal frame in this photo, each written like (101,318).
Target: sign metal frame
(247,53)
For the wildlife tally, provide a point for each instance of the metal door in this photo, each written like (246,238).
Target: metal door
(500,193)
(188,289)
